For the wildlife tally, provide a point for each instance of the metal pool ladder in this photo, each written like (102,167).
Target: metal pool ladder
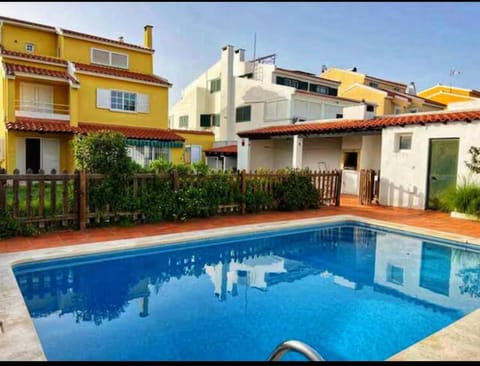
(295,346)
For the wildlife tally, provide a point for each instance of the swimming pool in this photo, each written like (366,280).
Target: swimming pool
(350,290)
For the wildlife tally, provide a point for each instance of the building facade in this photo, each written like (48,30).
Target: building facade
(235,95)
(450,94)
(391,97)
(58,83)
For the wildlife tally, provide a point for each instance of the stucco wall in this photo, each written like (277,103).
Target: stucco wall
(403,178)
(322,153)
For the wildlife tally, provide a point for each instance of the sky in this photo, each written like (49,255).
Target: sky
(409,41)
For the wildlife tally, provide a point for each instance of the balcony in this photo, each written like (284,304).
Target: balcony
(36,109)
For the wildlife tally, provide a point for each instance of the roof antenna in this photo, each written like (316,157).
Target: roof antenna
(453,73)
(254,45)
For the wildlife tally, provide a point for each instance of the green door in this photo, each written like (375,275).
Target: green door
(442,168)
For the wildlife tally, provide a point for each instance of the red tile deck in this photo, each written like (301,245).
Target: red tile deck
(349,206)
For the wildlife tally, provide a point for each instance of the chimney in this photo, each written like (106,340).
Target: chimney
(362,111)
(120,39)
(148,41)
(240,54)
(411,89)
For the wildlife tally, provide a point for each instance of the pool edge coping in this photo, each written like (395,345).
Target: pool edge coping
(446,344)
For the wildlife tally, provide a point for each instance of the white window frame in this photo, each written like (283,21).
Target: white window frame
(109,58)
(185,116)
(400,138)
(123,99)
(27,46)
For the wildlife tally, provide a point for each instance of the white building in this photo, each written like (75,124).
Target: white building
(235,95)
(418,154)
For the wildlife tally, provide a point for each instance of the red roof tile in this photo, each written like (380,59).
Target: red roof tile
(361,125)
(306,74)
(28,23)
(12,69)
(143,133)
(386,81)
(104,70)
(409,97)
(227,150)
(193,132)
(101,39)
(32,57)
(40,125)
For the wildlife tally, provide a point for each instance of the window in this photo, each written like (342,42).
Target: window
(298,84)
(397,110)
(413,110)
(215,85)
(123,101)
(373,84)
(144,155)
(339,115)
(395,274)
(405,142)
(350,160)
(183,121)
(243,114)
(118,100)
(397,89)
(109,58)
(209,120)
(370,108)
(29,47)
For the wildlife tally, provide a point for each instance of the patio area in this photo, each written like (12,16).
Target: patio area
(349,206)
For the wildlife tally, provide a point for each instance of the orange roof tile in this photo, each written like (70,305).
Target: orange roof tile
(224,150)
(40,125)
(12,69)
(300,91)
(143,133)
(32,57)
(361,125)
(104,70)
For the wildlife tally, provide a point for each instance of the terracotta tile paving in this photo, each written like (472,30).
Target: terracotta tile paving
(349,206)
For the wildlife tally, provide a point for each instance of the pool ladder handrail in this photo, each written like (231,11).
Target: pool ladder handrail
(296,346)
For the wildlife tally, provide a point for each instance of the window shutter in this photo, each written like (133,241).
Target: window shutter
(143,105)
(103,98)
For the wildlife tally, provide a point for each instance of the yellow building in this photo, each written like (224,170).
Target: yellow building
(57,83)
(390,97)
(450,94)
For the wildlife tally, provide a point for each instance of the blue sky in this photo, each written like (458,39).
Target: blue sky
(405,42)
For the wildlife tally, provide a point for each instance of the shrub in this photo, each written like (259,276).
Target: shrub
(296,193)
(9,227)
(464,198)
(474,164)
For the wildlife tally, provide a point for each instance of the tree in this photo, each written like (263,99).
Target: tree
(474,164)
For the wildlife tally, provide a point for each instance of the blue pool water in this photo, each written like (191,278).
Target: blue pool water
(351,291)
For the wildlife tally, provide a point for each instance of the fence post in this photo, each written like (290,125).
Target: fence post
(15,193)
(243,187)
(82,199)
(175,181)
(3,191)
(339,187)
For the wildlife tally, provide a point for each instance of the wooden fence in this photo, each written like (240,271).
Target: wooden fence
(62,199)
(369,186)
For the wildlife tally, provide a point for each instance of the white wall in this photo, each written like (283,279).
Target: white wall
(322,153)
(408,257)
(282,153)
(403,176)
(370,155)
